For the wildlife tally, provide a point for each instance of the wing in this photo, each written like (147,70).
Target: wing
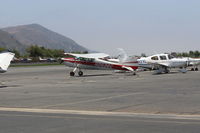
(5,59)
(159,65)
(92,55)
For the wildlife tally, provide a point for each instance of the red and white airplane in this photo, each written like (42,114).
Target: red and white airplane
(5,59)
(99,61)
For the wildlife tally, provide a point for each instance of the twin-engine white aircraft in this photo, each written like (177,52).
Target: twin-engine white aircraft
(5,59)
(98,61)
(161,63)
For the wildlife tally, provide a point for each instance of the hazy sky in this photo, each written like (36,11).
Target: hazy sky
(138,26)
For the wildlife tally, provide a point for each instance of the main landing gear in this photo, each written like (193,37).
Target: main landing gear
(194,69)
(80,73)
(72,73)
(166,70)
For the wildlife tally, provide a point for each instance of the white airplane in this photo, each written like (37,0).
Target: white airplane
(163,62)
(5,59)
(98,61)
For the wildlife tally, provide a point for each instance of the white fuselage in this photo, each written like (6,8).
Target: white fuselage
(162,60)
(98,64)
(194,61)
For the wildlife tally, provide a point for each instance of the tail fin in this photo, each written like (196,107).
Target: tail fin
(122,55)
(5,59)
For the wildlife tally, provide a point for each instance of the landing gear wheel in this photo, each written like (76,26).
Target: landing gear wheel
(134,73)
(72,73)
(192,69)
(80,73)
(196,69)
(166,71)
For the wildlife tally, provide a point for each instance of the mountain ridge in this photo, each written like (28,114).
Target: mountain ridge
(35,34)
(8,42)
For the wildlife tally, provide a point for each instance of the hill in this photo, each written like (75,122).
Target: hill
(35,34)
(8,42)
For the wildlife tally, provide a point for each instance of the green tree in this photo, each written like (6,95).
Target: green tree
(185,54)
(2,49)
(143,55)
(196,54)
(191,53)
(17,54)
(35,51)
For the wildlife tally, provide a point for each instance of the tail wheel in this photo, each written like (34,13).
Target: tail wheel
(80,73)
(72,73)
(196,69)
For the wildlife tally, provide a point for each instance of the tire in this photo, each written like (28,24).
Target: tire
(192,69)
(80,73)
(196,69)
(72,73)
(166,71)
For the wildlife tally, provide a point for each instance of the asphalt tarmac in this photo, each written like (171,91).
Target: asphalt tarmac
(100,101)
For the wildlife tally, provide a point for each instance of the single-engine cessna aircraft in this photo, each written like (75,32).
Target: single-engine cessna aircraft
(5,59)
(98,61)
(163,62)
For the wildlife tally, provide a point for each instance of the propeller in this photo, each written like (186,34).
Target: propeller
(60,61)
(122,55)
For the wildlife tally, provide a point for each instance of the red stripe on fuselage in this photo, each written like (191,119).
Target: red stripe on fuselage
(72,60)
(104,65)
(120,67)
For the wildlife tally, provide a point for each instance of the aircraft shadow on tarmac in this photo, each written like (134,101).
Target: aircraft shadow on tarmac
(3,86)
(170,73)
(95,75)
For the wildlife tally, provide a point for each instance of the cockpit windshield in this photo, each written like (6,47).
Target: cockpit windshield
(154,58)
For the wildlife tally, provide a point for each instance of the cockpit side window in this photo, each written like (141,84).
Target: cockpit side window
(163,57)
(85,59)
(154,58)
(170,56)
